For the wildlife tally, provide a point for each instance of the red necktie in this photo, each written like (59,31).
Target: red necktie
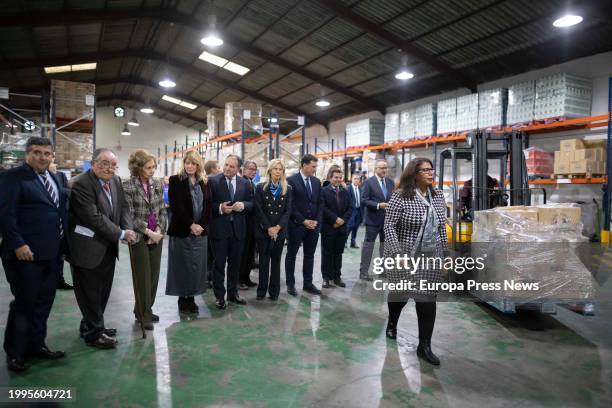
(106,187)
(338,196)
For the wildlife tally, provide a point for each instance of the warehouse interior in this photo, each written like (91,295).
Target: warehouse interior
(352,82)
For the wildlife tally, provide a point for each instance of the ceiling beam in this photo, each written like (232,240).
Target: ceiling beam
(406,46)
(154,56)
(99,16)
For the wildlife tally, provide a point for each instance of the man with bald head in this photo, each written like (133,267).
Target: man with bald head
(99,219)
(232,200)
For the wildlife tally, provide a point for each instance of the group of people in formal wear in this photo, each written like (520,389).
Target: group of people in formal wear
(216,217)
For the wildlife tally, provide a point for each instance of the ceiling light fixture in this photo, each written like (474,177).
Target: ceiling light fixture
(125,131)
(212,37)
(133,121)
(70,68)
(147,110)
(404,75)
(567,20)
(224,63)
(167,83)
(179,102)
(322,103)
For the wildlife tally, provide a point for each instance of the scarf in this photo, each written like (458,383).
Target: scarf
(276,189)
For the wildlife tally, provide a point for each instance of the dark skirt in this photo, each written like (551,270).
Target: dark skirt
(187,266)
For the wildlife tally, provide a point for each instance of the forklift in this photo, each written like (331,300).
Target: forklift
(486,193)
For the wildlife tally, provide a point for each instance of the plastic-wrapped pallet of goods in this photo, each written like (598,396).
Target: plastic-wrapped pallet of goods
(532,245)
(233,115)
(73,148)
(447,116)
(365,132)
(290,155)
(562,96)
(425,120)
(539,162)
(492,106)
(521,103)
(392,127)
(467,112)
(215,118)
(70,98)
(257,152)
(407,124)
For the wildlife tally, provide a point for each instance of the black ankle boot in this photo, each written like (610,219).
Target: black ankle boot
(183,305)
(424,352)
(191,304)
(391,331)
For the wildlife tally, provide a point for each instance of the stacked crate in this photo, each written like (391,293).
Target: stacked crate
(540,163)
(521,103)
(71,101)
(562,96)
(233,116)
(577,157)
(365,132)
(425,120)
(392,127)
(407,124)
(447,116)
(492,105)
(467,112)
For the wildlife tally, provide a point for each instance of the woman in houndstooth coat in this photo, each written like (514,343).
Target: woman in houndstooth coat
(415,224)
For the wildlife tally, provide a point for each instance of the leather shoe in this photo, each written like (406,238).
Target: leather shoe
(326,284)
(243,286)
(274,298)
(291,290)
(259,297)
(339,282)
(110,332)
(47,354)
(220,303)
(148,326)
(391,331)
(312,289)
(16,364)
(237,299)
(63,285)
(191,305)
(354,246)
(424,352)
(103,342)
(154,318)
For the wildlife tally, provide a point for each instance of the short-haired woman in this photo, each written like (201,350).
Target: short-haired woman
(415,224)
(190,203)
(272,209)
(145,198)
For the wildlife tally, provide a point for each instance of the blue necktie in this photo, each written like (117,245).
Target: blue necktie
(308,187)
(384,188)
(231,189)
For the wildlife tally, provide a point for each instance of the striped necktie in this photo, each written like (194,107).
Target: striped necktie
(54,198)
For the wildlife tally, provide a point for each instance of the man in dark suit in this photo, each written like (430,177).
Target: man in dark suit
(33,223)
(356,216)
(63,183)
(232,200)
(247,262)
(306,213)
(377,191)
(99,219)
(337,209)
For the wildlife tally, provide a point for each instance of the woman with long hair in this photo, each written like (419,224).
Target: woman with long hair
(145,198)
(415,224)
(190,203)
(272,209)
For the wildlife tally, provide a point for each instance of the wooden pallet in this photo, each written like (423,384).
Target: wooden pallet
(577,175)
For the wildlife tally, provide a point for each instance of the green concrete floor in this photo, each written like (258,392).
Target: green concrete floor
(329,352)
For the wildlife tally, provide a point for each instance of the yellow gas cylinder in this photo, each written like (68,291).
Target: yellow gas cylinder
(465,234)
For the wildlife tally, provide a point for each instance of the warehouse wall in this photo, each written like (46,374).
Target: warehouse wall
(151,134)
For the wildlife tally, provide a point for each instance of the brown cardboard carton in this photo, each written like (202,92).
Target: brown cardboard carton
(558,215)
(572,144)
(586,166)
(588,154)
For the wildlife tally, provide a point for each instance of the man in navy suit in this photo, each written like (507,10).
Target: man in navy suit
(355,221)
(377,191)
(337,209)
(232,200)
(304,223)
(33,222)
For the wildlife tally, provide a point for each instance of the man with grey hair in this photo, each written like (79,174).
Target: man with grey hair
(249,171)
(99,219)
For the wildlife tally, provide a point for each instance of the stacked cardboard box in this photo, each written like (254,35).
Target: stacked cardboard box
(392,127)
(539,161)
(233,116)
(447,116)
(577,157)
(521,102)
(467,112)
(492,105)
(70,97)
(365,132)
(407,124)
(72,149)
(425,120)
(562,95)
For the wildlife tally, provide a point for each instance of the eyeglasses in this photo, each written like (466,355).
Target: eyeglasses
(430,171)
(108,165)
